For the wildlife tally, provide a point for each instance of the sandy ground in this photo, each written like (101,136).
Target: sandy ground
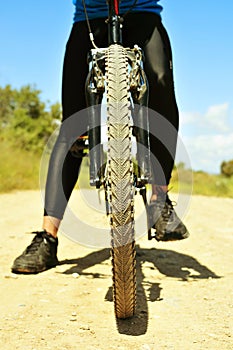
(185,289)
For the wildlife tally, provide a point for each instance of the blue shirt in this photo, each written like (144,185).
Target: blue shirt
(99,9)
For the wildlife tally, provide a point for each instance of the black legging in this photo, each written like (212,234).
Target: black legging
(147,31)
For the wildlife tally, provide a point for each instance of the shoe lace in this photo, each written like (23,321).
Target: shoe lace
(36,242)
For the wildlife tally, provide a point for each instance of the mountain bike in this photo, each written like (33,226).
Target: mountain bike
(117,72)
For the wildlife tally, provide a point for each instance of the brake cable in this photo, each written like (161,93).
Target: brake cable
(91,36)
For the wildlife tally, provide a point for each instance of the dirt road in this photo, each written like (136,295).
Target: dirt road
(185,289)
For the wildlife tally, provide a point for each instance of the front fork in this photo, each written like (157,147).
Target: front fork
(139,92)
(94,94)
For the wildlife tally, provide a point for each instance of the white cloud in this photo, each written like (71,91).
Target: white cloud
(206,152)
(208,137)
(216,118)
(187,118)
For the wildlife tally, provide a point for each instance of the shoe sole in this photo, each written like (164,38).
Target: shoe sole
(172,237)
(22,270)
(26,271)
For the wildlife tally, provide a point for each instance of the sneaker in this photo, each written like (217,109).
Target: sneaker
(163,218)
(39,256)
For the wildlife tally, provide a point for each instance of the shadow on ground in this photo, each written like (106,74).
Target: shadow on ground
(169,263)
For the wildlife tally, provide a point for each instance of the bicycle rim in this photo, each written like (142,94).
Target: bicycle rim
(120,182)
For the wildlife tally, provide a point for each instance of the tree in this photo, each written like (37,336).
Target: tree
(26,121)
(7,101)
(227,168)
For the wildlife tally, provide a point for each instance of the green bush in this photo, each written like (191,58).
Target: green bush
(227,168)
(19,169)
(25,121)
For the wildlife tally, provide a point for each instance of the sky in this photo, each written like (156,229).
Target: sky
(33,36)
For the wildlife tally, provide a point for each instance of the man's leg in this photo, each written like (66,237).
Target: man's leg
(51,225)
(164,131)
(63,170)
(63,166)
(163,117)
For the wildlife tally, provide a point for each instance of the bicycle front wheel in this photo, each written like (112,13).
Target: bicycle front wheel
(120,182)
